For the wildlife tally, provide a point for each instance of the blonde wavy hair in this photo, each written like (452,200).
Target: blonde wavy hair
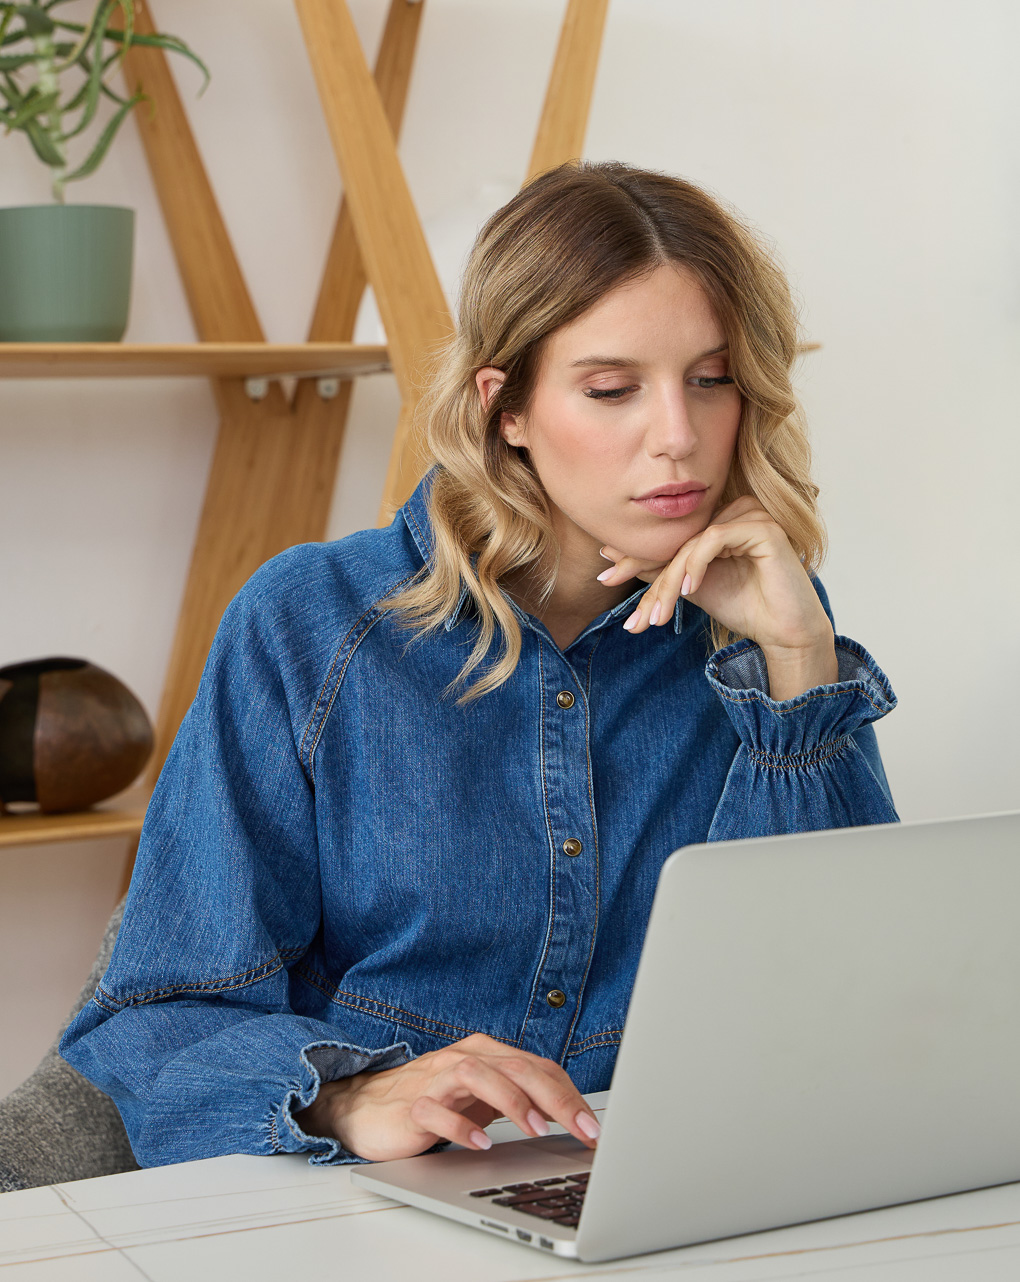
(566,239)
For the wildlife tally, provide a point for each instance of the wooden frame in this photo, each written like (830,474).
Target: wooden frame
(271,479)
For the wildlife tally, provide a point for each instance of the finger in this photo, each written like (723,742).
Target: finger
(555,1094)
(663,593)
(484,1080)
(629,567)
(656,606)
(743,505)
(436,1119)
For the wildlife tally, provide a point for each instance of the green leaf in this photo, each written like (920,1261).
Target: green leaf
(37,21)
(88,89)
(43,144)
(92,162)
(87,37)
(95,70)
(98,66)
(112,94)
(74,103)
(81,99)
(172,44)
(32,106)
(12,61)
(104,88)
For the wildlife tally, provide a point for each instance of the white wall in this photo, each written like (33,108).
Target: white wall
(873,141)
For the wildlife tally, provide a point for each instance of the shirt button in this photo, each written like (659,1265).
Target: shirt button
(556,998)
(572,846)
(565,699)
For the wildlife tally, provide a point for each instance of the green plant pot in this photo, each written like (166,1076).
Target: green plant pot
(65,273)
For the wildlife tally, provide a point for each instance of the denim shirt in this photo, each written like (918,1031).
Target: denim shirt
(341,870)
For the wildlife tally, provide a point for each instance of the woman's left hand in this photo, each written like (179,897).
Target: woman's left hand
(743,572)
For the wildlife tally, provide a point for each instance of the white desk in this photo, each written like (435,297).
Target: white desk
(274,1219)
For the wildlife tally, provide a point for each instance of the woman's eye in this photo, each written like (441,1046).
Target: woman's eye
(707,383)
(606,393)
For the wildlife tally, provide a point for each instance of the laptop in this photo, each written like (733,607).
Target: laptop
(821,1023)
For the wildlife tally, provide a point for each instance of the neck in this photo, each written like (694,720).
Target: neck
(577,597)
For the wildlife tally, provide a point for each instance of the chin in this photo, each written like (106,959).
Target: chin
(661,546)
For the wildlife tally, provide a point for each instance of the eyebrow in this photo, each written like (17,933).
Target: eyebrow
(620,362)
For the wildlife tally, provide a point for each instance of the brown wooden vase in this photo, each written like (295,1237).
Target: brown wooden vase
(71,734)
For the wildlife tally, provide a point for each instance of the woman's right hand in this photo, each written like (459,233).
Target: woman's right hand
(449,1094)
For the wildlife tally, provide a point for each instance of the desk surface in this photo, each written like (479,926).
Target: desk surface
(272,1219)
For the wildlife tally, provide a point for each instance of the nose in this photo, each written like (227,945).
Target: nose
(670,431)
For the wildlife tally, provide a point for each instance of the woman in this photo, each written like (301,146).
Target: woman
(375,908)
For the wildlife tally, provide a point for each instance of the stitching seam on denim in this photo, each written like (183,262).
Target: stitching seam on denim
(332,667)
(424,541)
(290,1127)
(611,1037)
(587,682)
(326,682)
(776,760)
(853,687)
(199,986)
(274,1137)
(552,843)
(420,1023)
(753,696)
(325,685)
(364,1004)
(595,834)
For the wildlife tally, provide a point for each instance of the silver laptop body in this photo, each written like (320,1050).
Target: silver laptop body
(821,1023)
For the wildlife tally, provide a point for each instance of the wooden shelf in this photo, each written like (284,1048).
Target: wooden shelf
(200,360)
(194,360)
(119,817)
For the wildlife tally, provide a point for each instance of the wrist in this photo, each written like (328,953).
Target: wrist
(792,671)
(321,1117)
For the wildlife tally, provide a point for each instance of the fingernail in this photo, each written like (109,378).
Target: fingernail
(587,1123)
(537,1122)
(632,621)
(653,618)
(480,1140)
(602,552)
(686,585)
(604,575)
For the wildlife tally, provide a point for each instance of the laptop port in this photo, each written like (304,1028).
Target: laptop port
(524,1235)
(544,1241)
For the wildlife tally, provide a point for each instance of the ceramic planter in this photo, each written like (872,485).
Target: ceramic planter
(65,273)
(71,734)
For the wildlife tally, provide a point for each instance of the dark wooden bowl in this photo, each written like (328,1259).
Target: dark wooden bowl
(71,734)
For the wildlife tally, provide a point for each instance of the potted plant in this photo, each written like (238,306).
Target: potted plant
(65,270)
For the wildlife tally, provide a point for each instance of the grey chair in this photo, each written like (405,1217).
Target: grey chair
(56,1126)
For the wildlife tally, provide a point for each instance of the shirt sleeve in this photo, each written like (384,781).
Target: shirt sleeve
(805,763)
(190,1030)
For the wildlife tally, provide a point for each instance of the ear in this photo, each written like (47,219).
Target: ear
(488,381)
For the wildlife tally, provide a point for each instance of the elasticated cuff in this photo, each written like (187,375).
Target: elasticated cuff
(326,1062)
(793,731)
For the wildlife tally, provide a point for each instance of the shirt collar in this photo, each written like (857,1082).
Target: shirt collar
(416,516)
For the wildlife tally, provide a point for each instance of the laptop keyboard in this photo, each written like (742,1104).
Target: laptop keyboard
(558,1199)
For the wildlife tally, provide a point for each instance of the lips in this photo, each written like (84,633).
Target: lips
(670,505)
(667,491)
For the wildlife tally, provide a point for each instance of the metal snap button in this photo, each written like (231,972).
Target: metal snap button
(565,699)
(555,998)
(572,846)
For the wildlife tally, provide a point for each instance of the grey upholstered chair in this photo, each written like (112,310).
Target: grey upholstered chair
(56,1126)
